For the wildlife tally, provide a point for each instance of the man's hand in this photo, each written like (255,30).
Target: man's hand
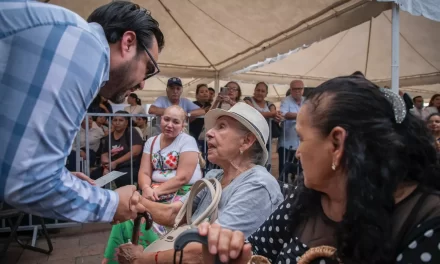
(129,253)
(84,177)
(129,204)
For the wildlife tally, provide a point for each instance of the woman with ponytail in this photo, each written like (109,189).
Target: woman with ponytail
(135,105)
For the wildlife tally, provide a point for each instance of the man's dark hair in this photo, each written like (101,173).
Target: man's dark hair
(211,89)
(118,17)
(358,73)
(415,98)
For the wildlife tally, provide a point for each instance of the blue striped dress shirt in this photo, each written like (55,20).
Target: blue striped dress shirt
(52,65)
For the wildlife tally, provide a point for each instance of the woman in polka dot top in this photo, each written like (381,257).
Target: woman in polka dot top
(369,192)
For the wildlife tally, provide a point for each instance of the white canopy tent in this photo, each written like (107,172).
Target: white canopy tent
(209,40)
(366,47)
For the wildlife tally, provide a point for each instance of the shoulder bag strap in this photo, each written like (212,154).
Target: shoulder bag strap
(216,191)
(151,152)
(218,197)
(186,209)
(196,188)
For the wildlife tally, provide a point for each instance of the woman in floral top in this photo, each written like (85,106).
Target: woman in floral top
(369,192)
(170,161)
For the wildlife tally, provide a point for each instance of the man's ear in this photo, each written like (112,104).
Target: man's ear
(128,44)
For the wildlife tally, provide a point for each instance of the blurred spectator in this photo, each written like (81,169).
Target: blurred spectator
(202,100)
(100,105)
(211,94)
(135,105)
(289,108)
(95,134)
(266,108)
(434,105)
(142,124)
(174,93)
(228,100)
(418,107)
(257,101)
(434,127)
(121,151)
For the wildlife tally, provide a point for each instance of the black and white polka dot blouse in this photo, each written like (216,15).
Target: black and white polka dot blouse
(420,245)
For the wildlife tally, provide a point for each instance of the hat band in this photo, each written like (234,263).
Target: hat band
(256,129)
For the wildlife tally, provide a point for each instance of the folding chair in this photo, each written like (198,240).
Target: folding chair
(9,214)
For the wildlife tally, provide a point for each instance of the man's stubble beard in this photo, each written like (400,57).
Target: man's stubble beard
(119,82)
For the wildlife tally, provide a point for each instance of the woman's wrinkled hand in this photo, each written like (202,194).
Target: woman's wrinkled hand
(129,253)
(229,245)
(148,193)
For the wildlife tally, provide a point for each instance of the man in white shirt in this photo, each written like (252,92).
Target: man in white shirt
(418,107)
(289,109)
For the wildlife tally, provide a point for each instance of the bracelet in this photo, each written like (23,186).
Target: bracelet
(156,257)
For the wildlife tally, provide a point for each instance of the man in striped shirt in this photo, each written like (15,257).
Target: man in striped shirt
(52,64)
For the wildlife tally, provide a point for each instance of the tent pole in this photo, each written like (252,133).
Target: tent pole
(395,49)
(217,82)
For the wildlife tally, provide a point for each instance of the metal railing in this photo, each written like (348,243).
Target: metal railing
(83,165)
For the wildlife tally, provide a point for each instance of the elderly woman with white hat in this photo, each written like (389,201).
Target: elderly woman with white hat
(236,143)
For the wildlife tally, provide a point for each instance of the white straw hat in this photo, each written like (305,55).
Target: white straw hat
(247,116)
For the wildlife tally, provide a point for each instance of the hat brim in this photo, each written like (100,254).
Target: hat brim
(214,114)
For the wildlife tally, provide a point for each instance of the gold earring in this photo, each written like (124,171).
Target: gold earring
(333,166)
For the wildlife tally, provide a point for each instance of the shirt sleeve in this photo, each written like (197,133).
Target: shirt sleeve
(43,113)
(284,107)
(147,146)
(188,144)
(272,236)
(159,102)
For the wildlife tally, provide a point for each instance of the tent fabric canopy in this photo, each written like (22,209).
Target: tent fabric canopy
(206,39)
(427,8)
(366,47)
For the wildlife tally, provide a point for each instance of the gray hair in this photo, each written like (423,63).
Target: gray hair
(255,151)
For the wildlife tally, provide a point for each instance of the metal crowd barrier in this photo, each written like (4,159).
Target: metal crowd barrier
(85,166)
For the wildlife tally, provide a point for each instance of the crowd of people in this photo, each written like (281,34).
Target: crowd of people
(368,191)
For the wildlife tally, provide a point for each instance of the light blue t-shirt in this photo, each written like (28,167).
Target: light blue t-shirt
(164,102)
(289,137)
(245,203)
